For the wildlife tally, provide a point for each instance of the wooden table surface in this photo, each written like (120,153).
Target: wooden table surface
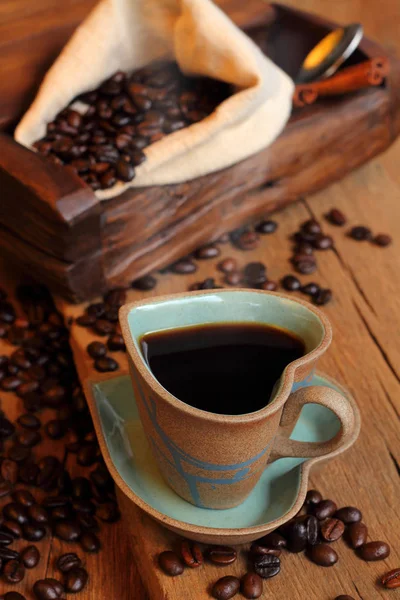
(365,356)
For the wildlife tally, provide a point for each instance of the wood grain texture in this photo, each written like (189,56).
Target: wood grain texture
(365,356)
(113,242)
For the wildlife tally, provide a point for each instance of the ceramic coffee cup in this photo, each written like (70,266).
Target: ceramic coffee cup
(214,460)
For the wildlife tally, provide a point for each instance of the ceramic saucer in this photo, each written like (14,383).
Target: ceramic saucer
(276,498)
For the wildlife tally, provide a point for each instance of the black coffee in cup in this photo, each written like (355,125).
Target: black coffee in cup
(224,368)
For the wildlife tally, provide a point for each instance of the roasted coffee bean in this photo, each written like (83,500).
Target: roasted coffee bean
(257,549)
(383,240)
(273,540)
(145,283)
(233,278)
(205,252)
(5,488)
(290,283)
(360,233)
(228,265)
(207,284)
(8,554)
(349,514)
(311,227)
(323,555)
(222,555)
(69,531)
(81,488)
(105,364)
(103,327)
(14,511)
(324,509)
(332,529)
(38,514)
(96,349)
(7,429)
(391,579)
(13,571)
(10,384)
(115,343)
(75,580)
(344,597)
(115,297)
(305,264)
(68,561)
(225,588)
(372,551)
(89,453)
(269,286)
(323,297)
(90,542)
(267,565)
(336,217)
(5,538)
(296,534)
(312,529)
(184,267)
(108,512)
(170,563)
(12,596)
(30,556)
(23,497)
(125,171)
(310,289)
(55,395)
(29,438)
(55,429)
(357,534)
(27,388)
(85,320)
(87,521)
(33,532)
(247,240)
(323,242)
(13,528)
(48,589)
(251,586)
(61,512)
(82,505)
(18,453)
(255,273)
(191,554)
(266,227)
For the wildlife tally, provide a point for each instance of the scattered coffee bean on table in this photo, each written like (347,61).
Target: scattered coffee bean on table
(48,589)
(360,233)
(12,596)
(30,557)
(75,580)
(332,529)
(68,561)
(344,597)
(349,514)
(145,283)
(391,579)
(191,554)
(290,283)
(267,565)
(226,588)
(228,265)
(357,534)
(324,509)
(170,563)
(383,240)
(323,555)
(267,227)
(372,551)
(222,555)
(336,217)
(251,586)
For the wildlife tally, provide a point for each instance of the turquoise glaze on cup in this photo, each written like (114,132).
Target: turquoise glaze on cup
(212,460)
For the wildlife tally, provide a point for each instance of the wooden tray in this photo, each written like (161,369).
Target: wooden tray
(81,246)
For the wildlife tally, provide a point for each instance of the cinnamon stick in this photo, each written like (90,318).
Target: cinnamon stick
(368,73)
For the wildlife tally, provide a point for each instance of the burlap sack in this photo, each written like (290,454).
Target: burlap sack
(128,34)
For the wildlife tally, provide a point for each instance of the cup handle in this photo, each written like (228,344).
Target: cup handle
(285,447)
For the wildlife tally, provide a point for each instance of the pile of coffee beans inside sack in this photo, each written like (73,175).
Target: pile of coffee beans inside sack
(102,317)
(39,497)
(103,133)
(314,530)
